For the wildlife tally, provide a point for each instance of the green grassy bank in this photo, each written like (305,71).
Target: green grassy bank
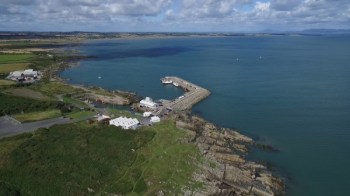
(82,159)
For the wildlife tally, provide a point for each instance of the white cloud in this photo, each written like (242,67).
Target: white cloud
(261,6)
(190,15)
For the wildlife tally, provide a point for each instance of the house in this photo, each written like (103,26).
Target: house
(155,119)
(147,114)
(124,122)
(148,103)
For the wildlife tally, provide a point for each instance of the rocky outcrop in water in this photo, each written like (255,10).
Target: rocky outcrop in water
(224,170)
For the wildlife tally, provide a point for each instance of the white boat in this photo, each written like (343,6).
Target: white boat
(166,81)
(175,84)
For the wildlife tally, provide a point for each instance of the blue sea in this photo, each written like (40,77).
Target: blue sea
(291,92)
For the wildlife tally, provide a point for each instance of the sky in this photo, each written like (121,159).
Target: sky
(173,15)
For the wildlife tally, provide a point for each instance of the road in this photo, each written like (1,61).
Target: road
(9,127)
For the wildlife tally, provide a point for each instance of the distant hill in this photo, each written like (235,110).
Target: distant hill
(325,31)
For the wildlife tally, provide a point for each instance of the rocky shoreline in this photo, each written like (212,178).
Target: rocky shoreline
(224,170)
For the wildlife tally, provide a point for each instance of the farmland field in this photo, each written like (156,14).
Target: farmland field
(13,62)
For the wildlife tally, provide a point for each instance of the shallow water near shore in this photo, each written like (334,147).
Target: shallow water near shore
(288,91)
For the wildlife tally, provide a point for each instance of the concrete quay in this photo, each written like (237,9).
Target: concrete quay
(193,93)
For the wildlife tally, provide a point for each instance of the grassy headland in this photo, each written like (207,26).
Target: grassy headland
(79,159)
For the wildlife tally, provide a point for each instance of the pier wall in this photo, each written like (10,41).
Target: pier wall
(193,94)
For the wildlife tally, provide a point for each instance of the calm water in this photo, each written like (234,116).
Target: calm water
(295,97)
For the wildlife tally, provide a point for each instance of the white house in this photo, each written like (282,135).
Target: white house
(124,122)
(102,117)
(147,114)
(148,103)
(155,119)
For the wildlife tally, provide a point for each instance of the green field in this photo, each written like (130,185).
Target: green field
(13,62)
(14,105)
(80,114)
(6,82)
(81,159)
(54,88)
(75,102)
(35,116)
(27,93)
(15,58)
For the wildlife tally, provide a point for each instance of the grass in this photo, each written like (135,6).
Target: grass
(25,92)
(116,113)
(54,88)
(35,116)
(6,82)
(15,58)
(75,102)
(167,162)
(70,159)
(80,114)
(13,62)
(7,68)
(14,105)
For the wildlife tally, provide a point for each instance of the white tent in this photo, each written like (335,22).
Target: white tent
(147,114)
(124,122)
(155,119)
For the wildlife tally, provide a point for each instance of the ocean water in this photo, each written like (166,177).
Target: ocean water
(292,92)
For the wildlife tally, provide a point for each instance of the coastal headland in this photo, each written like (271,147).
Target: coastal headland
(183,155)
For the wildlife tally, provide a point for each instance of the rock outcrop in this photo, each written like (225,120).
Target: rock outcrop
(224,170)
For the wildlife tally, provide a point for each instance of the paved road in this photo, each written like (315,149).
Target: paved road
(9,127)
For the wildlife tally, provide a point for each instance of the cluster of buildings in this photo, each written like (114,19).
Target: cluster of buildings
(26,76)
(149,116)
(128,123)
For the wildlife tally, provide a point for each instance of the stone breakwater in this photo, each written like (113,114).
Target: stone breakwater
(224,170)
(193,93)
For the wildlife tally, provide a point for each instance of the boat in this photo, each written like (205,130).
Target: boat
(166,81)
(175,84)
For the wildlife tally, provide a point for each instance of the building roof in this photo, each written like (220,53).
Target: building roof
(124,122)
(147,114)
(148,102)
(30,72)
(155,119)
(16,74)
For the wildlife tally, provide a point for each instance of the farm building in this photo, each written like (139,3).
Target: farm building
(28,75)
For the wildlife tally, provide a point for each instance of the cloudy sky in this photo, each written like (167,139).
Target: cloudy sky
(173,15)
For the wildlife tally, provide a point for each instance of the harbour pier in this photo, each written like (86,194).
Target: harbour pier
(193,93)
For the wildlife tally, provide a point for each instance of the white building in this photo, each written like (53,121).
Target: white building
(147,114)
(148,103)
(21,75)
(30,73)
(124,122)
(155,119)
